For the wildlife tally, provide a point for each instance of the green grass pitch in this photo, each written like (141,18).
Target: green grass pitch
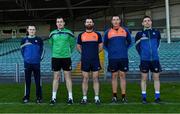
(11,99)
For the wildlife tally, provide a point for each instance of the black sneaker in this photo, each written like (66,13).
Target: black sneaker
(25,99)
(124,100)
(70,102)
(52,101)
(158,100)
(144,101)
(114,100)
(84,101)
(97,102)
(39,100)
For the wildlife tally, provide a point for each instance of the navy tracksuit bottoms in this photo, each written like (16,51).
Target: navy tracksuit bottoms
(35,69)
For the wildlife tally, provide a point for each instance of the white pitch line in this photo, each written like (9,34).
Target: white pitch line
(103,104)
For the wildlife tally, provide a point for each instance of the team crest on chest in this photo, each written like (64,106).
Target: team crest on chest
(94,37)
(26,41)
(143,35)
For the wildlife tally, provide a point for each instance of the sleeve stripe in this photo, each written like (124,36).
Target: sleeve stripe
(25,44)
(61,33)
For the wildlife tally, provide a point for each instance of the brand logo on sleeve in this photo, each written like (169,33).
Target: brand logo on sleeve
(156,69)
(125,68)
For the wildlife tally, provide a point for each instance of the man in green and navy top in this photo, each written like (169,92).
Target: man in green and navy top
(62,41)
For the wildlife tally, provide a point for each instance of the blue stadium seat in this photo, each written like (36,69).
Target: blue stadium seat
(169,57)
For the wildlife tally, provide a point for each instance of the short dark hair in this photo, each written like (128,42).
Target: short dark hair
(146,16)
(88,18)
(115,16)
(59,18)
(31,25)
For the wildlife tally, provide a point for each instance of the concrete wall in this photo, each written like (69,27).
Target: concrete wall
(133,20)
(102,19)
(42,30)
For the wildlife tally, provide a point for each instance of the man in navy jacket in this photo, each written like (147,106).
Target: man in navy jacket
(32,51)
(147,46)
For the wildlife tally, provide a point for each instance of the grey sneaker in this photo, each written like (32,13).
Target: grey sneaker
(144,101)
(70,102)
(52,101)
(97,102)
(124,100)
(114,100)
(158,100)
(25,99)
(39,100)
(84,101)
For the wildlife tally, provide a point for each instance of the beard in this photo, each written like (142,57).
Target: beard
(89,27)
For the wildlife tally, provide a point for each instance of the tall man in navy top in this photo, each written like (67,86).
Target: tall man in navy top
(116,42)
(147,46)
(32,52)
(89,44)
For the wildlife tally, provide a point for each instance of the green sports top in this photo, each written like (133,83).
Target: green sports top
(62,42)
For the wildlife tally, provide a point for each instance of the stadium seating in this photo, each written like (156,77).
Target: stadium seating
(169,57)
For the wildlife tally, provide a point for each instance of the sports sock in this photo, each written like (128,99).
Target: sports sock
(85,97)
(54,95)
(157,94)
(70,95)
(96,97)
(144,94)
